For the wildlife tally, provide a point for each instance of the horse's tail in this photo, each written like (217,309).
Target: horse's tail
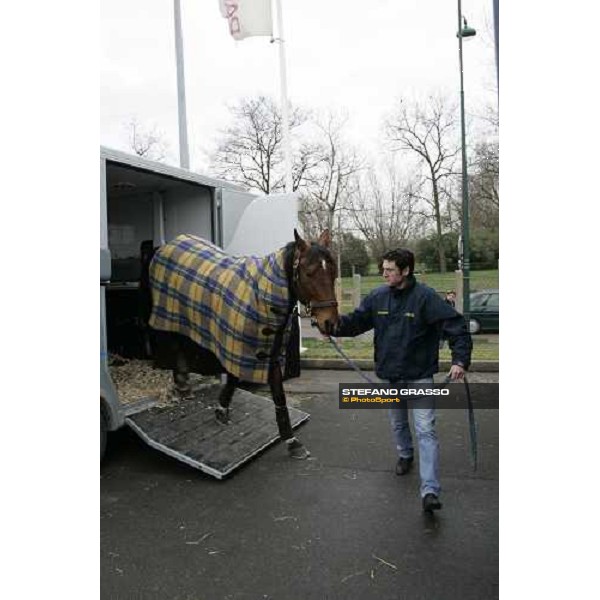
(147,251)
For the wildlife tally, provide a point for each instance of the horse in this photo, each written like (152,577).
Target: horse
(214,313)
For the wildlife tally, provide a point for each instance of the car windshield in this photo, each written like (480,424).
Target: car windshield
(488,299)
(493,301)
(478,299)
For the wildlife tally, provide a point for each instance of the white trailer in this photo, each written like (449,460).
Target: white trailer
(142,200)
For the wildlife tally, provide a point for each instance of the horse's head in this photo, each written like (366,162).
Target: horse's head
(314,280)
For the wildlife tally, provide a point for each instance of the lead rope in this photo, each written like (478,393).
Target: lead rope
(349,360)
(470,411)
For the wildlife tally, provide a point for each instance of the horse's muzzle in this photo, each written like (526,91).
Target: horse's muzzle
(327,327)
(323,315)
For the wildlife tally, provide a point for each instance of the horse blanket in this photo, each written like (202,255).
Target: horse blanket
(230,305)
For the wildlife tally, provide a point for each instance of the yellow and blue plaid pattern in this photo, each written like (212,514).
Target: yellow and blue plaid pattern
(230,305)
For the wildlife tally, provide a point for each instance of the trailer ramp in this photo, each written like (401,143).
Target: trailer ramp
(189,431)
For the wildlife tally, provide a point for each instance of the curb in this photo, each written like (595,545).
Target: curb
(477,366)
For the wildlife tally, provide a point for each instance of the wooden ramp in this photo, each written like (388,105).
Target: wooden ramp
(189,431)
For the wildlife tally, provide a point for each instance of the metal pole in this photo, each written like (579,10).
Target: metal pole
(289,186)
(497,42)
(465,184)
(339,260)
(287,153)
(184,156)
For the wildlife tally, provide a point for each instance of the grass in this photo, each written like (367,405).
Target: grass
(441,282)
(483,349)
(438,281)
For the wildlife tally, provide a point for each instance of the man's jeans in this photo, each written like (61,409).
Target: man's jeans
(424,422)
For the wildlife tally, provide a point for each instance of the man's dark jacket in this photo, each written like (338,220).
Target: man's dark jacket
(408,324)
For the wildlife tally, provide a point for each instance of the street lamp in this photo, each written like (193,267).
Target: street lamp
(464,31)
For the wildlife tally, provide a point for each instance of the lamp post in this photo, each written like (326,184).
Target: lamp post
(464,31)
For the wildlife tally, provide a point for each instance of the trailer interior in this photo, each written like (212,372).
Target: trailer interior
(144,206)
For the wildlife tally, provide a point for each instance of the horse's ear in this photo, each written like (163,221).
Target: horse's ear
(325,238)
(300,243)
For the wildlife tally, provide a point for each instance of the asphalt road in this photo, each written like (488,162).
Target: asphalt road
(340,525)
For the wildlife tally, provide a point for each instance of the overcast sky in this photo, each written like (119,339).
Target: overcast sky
(356,56)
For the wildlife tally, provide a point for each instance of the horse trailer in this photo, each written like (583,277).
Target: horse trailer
(145,204)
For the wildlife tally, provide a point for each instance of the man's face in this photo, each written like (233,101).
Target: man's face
(393,276)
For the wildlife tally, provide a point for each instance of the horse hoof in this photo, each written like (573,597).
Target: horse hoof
(184,393)
(298,451)
(222,416)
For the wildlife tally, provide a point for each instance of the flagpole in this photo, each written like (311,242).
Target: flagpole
(287,153)
(184,156)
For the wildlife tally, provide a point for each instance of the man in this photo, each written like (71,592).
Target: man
(451,300)
(408,319)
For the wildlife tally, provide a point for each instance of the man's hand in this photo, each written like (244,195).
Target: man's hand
(456,373)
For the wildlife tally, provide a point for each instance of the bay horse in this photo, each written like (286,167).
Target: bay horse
(213,313)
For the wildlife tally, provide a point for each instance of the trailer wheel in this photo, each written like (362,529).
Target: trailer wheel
(103,434)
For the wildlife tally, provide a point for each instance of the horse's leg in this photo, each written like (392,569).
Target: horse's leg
(294,446)
(181,372)
(222,411)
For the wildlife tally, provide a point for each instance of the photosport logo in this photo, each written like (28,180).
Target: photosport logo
(438,395)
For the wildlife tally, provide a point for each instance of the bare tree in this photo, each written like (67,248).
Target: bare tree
(149,143)
(490,117)
(428,132)
(328,182)
(484,189)
(386,210)
(484,170)
(250,152)
(311,215)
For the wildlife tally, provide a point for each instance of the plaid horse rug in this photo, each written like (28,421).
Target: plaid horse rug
(230,305)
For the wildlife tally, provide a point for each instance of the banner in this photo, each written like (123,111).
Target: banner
(247,18)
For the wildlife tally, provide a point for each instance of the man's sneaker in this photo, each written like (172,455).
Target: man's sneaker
(404,465)
(431,503)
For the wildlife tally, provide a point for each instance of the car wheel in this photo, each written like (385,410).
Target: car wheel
(103,434)
(474,326)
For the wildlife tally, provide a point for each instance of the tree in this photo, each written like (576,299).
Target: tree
(353,254)
(428,255)
(328,180)
(149,143)
(484,193)
(428,132)
(250,152)
(386,210)
(484,171)
(483,250)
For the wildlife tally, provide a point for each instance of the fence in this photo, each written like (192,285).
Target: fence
(350,290)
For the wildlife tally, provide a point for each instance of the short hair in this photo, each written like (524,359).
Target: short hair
(402,257)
